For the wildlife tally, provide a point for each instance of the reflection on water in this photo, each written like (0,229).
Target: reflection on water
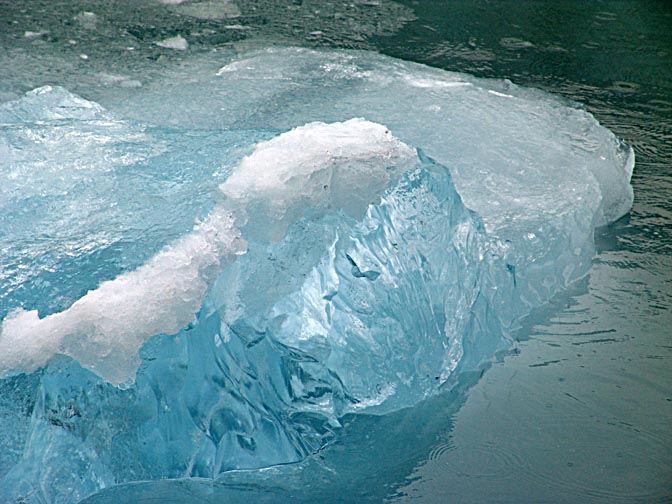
(581,412)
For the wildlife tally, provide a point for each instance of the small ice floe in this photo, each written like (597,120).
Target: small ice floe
(205,9)
(178,42)
(123,81)
(87,20)
(514,43)
(35,34)
(236,27)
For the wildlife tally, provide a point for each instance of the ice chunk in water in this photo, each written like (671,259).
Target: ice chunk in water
(178,43)
(372,273)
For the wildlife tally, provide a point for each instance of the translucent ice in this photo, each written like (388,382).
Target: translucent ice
(309,171)
(105,329)
(539,170)
(334,267)
(509,148)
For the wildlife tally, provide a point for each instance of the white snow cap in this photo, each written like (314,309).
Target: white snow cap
(314,169)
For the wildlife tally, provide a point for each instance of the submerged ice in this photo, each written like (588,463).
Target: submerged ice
(334,267)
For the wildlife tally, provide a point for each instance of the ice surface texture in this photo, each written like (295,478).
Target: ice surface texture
(332,268)
(305,172)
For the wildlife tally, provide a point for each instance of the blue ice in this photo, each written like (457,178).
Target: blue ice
(212,275)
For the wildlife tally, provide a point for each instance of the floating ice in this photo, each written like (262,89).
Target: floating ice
(177,42)
(333,269)
(88,20)
(206,9)
(311,170)
(33,34)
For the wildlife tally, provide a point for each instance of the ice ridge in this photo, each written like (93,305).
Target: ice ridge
(308,171)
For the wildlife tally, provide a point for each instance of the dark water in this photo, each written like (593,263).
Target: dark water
(581,410)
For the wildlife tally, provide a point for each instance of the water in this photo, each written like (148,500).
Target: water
(580,410)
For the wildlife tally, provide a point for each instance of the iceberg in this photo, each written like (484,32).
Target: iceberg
(212,282)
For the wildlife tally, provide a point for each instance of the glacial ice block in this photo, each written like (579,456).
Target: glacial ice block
(309,171)
(380,262)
